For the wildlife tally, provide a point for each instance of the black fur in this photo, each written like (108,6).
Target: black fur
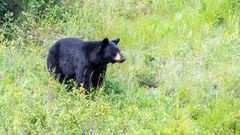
(84,61)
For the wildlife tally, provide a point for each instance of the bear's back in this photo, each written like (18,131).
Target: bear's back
(70,42)
(69,45)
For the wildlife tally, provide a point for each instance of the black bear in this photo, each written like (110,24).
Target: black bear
(83,61)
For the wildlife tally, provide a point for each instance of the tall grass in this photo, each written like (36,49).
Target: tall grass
(181,75)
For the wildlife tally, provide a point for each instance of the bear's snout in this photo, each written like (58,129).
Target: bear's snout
(122,59)
(119,58)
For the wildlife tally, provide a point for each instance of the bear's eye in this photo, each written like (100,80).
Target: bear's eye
(115,52)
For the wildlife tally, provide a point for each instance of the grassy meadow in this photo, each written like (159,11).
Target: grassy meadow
(182,74)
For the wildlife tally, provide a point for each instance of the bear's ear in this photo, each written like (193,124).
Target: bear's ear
(105,41)
(116,41)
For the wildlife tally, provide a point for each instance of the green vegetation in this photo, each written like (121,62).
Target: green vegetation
(182,74)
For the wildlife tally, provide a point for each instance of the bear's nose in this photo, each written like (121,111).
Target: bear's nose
(123,59)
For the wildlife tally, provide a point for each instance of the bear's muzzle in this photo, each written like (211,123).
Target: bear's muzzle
(119,58)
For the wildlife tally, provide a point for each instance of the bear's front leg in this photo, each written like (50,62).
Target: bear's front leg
(79,76)
(83,77)
(87,87)
(87,80)
(98,76)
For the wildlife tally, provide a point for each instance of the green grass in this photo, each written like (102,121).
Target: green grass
(189,50)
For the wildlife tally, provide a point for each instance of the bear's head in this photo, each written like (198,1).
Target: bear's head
(110,51)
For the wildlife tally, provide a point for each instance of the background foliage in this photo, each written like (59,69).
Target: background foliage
(181,75)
